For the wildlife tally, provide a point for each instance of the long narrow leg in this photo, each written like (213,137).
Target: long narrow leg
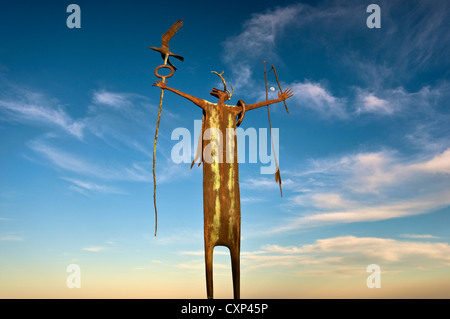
(236,272)
(209,271)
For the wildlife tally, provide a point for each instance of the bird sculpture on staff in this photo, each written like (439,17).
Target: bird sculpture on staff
(164,49)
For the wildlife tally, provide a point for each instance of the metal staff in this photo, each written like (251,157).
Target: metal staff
(277,170)
(157,130)
(165,53)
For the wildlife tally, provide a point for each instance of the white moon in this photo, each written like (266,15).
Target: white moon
(272,88)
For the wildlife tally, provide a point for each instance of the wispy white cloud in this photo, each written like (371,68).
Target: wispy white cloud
(314,96)
(378,212)
(384,92)
(367,187)
(373,104)
(123,128)
(95,249)
(60,159)
(416,32)
(265,183)
(398,101)
(358,101)
(370,172)
(113,99)
(419,236)
(430,136)
(112,107)
(423,36)
(108,245)
(438,164)
(66,160)
(26,106)
(323,200)
(10,238)
(256,42)
(345,255)
(260,32)
(90,187)
(383,249)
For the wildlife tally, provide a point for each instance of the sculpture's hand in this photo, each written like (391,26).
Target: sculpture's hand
(285,95)
(160,84)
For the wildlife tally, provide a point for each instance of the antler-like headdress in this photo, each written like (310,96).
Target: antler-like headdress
(230,94)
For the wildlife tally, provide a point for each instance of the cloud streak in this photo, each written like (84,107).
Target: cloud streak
(116,123)
(11,238)
(367,187)
(86,187)
(383,90)
(95,249)
(75,164)
(260,33)
(370,248)
(314,96)
(343,255)
(32,107)
(113,99)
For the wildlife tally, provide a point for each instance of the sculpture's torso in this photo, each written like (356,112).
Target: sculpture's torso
(221,199)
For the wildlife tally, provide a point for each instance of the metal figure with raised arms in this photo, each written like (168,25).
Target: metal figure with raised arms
(221,196)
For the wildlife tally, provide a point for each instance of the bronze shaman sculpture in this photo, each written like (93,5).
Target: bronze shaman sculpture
(221,196)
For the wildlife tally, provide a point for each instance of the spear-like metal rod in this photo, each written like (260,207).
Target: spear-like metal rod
(165,53)
(154,148)
(277,168)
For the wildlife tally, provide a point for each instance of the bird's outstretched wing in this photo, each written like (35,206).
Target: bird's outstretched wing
(171,32)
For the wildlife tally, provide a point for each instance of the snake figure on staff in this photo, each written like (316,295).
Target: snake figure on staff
(221,196)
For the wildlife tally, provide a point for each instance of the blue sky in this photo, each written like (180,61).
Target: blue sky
(364,152)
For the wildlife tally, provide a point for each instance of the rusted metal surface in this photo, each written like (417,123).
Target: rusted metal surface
(164,66)
(241,115)
(217,150)
(221,195)
(165,53)
(164,49)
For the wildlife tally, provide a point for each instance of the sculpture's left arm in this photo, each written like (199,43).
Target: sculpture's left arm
(193,99)
(281,97)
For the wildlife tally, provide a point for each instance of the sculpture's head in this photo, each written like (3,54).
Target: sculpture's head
(221,95)
(224,95)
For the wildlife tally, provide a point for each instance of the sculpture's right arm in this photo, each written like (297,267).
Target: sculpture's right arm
(199,102)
